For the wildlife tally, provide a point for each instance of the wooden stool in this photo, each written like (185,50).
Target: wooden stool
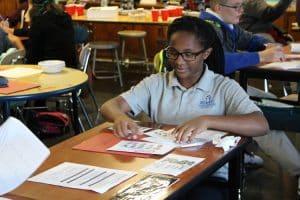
(106,45)
(133,34)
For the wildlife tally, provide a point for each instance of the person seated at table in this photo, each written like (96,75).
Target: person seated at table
(258,18)
(243,49)
(51,34)
(191,96)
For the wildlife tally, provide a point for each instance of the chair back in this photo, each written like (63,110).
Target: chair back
(81,34)
(84,57)
(16,57)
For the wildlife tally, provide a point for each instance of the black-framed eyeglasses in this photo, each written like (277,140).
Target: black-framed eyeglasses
(173,54)
(236,8)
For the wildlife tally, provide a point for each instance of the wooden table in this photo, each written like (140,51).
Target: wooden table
(69,80)
(62,152)
(274,73)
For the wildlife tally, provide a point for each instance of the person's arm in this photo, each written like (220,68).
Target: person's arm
(236,61)
(262,10)
(252,124)
(115,111)
(16,41)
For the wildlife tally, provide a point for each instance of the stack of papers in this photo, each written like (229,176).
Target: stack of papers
(21,153)
(283,65)
(165,137)
(18,72)
(84,177)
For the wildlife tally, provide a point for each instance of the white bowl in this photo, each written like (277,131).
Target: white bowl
(52,66)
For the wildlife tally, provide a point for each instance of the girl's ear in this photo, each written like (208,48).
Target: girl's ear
(206,53)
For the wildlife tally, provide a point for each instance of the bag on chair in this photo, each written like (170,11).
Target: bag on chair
(45,124)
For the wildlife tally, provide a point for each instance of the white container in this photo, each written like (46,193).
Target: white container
(52,66)
(102,12)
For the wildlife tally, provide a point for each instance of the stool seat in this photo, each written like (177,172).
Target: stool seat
(104,45)
(132,33)
(106,74)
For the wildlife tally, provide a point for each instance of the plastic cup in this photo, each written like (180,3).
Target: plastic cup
(70,9)
(172,12)
(154,14)
(179,10)
(164,15)
(79,9)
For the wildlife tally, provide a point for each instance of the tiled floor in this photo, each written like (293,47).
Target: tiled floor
(267,183)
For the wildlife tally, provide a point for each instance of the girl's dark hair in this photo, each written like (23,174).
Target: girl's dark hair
(207,37)
(41,6)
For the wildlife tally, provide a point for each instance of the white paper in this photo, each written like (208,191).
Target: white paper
(173,164)
(283,65)
(142,147)
(274,103)
(17,72)
(226,142)
(84,177)
(292,56)
(165,137)
(21,153)
(295,47)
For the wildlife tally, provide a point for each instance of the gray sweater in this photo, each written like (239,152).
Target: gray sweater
(258,15)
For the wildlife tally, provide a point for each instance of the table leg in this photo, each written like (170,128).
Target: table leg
(75,113)
(235,176)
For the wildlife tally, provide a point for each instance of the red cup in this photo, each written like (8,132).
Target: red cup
(172,12)
(164,15)
(79,9)
(70,9)
(179,10)
(154,14)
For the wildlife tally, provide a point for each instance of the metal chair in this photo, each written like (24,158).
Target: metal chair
(16,57)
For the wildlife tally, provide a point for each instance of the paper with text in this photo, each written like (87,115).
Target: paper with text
(21,153)
(165,137)
(173,164)
(84,177)
(150,187)
(142,147)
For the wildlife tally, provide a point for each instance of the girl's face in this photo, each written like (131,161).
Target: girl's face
(188,66)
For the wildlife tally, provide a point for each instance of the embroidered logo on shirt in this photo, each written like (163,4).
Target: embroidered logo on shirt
(207,102)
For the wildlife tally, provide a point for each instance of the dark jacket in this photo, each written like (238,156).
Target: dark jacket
(234,41)
(258,15)
(51,37)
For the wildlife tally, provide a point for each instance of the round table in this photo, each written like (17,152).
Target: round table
(67,81)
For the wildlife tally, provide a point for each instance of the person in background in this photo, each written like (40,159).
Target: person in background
(190,96)
(51,34)
(258,17)
(242,50)
(16,18)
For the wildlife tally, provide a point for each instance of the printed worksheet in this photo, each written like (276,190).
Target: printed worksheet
(149,187)
(166,137)
(142,147)
(84,177)
(21,153)
(173,164)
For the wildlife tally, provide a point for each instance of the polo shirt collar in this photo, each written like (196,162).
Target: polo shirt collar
(205,83)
